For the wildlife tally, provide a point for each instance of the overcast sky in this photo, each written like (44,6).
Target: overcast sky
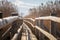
(24,5)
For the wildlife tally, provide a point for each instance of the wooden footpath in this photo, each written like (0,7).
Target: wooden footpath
(27,33)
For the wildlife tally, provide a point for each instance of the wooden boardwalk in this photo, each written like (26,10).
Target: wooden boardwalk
(25,29)
(27,33)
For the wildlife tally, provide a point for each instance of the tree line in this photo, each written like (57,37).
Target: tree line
(45,10)
(7,7)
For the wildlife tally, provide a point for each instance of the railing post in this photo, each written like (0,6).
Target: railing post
(53,28)
(53,24)
(41,35)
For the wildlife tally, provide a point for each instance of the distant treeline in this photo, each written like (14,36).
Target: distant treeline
(45,10)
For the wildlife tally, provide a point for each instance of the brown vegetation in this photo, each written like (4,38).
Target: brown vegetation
(45,10)
(7,8)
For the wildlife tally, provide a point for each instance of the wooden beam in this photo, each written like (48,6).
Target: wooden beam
(15,37)
(52,18)
(50,36)
(9,21)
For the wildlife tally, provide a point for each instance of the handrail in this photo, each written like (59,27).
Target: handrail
(52,18)
(29,19)
(7,21)
(50,36)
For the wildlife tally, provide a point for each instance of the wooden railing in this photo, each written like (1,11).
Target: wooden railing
(9,20)
(4,23)
(52,18)
(50,36)
(46,18)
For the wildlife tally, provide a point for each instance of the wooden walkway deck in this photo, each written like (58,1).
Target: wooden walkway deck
(27,33)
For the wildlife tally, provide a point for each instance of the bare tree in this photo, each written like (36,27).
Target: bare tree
(7,7)
(46,10)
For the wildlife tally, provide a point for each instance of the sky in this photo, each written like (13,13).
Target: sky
(24,5)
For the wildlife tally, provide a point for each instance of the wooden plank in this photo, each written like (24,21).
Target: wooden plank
(32,36)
